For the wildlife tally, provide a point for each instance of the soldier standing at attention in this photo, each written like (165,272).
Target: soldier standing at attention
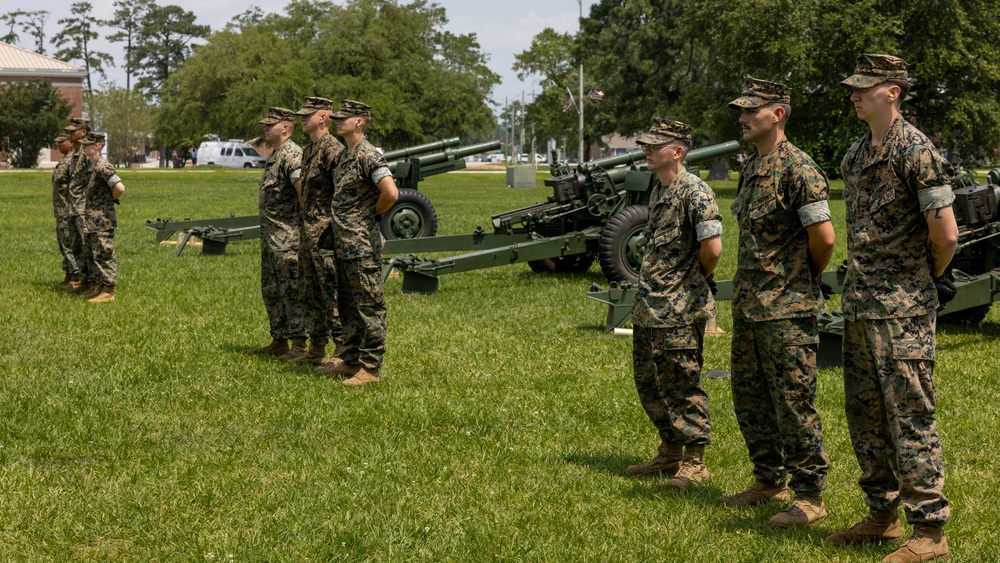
(673,304)
(103,188)
(76,200)
(65,230)
(901,236)
(786,240)
(317,269)
(364,189)
(279,236)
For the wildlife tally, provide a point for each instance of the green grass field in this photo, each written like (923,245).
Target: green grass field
(141,430)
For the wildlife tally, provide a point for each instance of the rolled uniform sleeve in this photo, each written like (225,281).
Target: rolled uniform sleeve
(814,213)
(930,175)
(379,173)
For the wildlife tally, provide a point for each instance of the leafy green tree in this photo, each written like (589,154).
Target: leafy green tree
(552,58)
(11,20)
(78,32)
(127,118)
(34,25)
(164,44)
(31,114)
(127,19)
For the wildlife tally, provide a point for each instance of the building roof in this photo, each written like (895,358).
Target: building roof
(15,61)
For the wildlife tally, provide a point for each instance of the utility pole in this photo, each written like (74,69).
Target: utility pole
(581,157)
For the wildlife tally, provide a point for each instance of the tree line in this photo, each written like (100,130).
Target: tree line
(686,59)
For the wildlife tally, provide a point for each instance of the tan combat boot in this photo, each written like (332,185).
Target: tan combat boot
(298,349)
(81,288)
(67,280)
(92,291)
(337,368)
(105,294)
(877,527)
(692,470)
(926,544)
(363,376)
(315,356)
(73,285)
(667,460)
(758,493)
(806,509)
(275,348)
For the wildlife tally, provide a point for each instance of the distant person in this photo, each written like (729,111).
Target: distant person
(785,243)
(317,265)
(279,236)
(901,236)
(363,189)
(66,233)
(103,190)
(194,156)
(672,306)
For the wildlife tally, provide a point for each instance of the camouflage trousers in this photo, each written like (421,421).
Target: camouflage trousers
(318,291)
(279,286)
(70,244)
(666,363)
(100,264)
(361,305)
(890,402)
(774,387)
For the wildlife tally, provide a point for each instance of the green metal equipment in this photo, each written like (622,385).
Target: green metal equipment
(599,210)
(411,216)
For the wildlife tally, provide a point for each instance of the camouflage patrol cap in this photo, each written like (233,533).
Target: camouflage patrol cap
(77,123)
(62,136)
(873,70)
(92,138)
(350,108)
(313,105)
(277,115)
(663,131)
(758,93)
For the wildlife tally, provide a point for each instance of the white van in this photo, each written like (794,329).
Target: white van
(233,153)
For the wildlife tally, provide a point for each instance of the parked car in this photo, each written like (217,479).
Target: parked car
(233,153)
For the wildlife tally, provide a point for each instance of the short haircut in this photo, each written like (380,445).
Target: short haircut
(904,87)
(788,110)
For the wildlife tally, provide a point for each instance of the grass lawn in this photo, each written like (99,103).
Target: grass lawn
(141,430)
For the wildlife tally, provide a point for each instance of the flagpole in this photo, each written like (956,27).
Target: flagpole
(581,157)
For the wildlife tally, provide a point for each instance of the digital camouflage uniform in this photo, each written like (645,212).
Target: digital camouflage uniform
(890,303)
(279,236)
(358,250)
(318,266)
(66,232)
(99,223)
(78,171)
(673,303)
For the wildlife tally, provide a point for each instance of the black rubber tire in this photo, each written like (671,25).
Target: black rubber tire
(411,216)
(247,165)
(972,316)
(543,266)
(575,264)
(620,246)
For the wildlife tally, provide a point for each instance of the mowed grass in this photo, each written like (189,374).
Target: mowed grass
(141,430)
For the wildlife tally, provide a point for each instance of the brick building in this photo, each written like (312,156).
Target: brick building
(21,65)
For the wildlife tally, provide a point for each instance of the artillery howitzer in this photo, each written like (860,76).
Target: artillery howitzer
(598,210)
(411,216)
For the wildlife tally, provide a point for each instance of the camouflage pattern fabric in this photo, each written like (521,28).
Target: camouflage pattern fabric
(100,258)
(361,304)
(70,244)
(99,212)
(672,290)
(778,195)
(887,189)
(279,241)
(76,197)
(774,388)
(667,364)
(318,267)
(61,176)
(355,226)
(279,279)
(890,403)
(82,253)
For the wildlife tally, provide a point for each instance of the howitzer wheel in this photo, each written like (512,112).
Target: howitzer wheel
(411,216)
(622,242)
(575,264)
(970,316)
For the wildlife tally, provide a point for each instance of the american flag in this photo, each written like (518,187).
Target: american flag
(596,95)
(570,102)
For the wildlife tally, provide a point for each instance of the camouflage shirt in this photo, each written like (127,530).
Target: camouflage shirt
(278,201)
(60,186)
(779,194)
(888,188)
(319,160)
(100,215)
(672,290)
(355,226)
(76,197)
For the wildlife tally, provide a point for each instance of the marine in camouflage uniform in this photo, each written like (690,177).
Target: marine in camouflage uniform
(785,243)
(279,234)
(102,189)
(901,236)
(364,188)
(317,267)
(673,304)
(65,230)
(76,201)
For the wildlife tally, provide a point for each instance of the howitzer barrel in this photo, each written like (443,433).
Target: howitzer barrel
(421,149)
(631,157)
(712,151)
(460,152)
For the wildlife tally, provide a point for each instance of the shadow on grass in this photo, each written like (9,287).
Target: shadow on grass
(755,519)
